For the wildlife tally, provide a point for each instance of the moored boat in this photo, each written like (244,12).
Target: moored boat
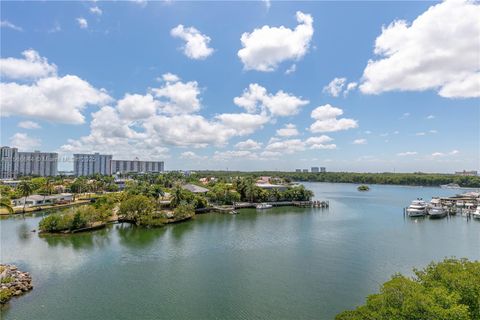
(435,209)
(476,213)
(450,186)
(417,208)
(263,206)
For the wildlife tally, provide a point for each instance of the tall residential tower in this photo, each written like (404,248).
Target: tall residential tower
(14,163)
(89,164)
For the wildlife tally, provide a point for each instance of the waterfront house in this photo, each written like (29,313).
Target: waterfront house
(194,188)
(11,183)
(269,186)
(40,200)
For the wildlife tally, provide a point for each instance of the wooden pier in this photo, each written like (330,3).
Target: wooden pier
(243,205)
(303,204)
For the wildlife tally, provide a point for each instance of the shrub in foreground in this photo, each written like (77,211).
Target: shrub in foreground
(448,290)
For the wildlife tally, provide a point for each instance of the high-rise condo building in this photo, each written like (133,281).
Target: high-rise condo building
(14,163)
(137,166)
(89,164)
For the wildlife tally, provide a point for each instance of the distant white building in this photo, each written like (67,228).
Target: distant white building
(11,183)
(315,169)
(89,164)
(472,173)
(14,163)
(269,186)
(137,166)
(194,188)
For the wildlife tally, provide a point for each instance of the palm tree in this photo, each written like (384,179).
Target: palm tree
(5,203)
(251,191)
(177,196)
(276,194)
(25,189)
(47,188)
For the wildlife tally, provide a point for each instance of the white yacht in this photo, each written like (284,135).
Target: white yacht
(417,208)
(263,206)
(476,213)
(435,209)
(450,186)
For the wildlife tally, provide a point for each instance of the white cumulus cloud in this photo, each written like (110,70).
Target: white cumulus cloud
(265,48)
(445,154)
(32,66)
(136,106)
(177,97)
(196,43)
(190,155)
(335,87)
(82,23)
(55,99)
(438,50)
(289,130)
(29,125)
(278,104)
(8,24)
(360,141)
(320,142)
(96,10)
(326,120)
(24,142)
(248,145)
(407,153)
(286,146)
(243,123)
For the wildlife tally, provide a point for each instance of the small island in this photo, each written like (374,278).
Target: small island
(363,187)
(13,282)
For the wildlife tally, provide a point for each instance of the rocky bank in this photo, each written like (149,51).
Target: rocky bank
(13,282)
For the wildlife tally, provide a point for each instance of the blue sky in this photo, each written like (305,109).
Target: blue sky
(177,81)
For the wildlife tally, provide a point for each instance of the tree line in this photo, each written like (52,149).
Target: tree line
(411,179)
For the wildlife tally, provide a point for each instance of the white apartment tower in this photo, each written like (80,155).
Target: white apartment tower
(14,163)
(89,164)
(137,166)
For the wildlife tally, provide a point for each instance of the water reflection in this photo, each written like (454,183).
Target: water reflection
(135,237)
(23,232)
(80,241)
(178,231)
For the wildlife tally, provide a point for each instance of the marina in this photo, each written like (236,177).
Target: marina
(465,204)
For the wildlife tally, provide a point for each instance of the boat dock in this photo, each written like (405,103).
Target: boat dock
(303,204)
(243,205)
(462,204)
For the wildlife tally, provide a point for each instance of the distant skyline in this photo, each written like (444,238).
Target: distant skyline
(351,86)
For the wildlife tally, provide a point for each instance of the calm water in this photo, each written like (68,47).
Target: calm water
(284,263)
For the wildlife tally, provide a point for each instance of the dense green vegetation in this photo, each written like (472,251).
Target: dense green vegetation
(5,295)
(449,290)
(73,219)
(419,179)
(363,187)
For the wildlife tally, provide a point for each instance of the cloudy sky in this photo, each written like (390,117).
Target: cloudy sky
(373,86)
